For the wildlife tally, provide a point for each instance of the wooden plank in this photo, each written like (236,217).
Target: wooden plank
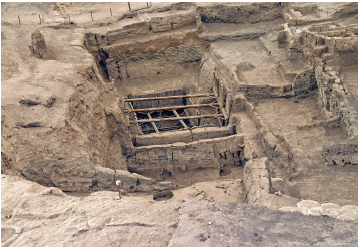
(181,121)
(135,116)
(173,107)
(154,126)
(171,97)
(176,118)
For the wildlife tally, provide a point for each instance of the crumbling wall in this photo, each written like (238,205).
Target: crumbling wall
(334,98)
(81,176)
(167,23)
(140,29)
(335,101)
(264,91)
(186,136)
(275,147)
(340,49)
(341,152)
(304,80)
(347,10)
(147,67)
(181,156)
(252,13)
(38,45)
(256,180)
(284,36)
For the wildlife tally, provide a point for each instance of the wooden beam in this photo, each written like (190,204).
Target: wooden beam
(181,121)
(222,109)
(154,126)
(173,107)
(135,116)
(176,118)
(171,97)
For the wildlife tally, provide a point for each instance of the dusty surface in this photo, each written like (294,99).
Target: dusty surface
(231,224)
(101,219)
(256,67)
(281,76)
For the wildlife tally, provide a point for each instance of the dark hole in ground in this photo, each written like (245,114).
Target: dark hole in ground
(162,195)
(225,171)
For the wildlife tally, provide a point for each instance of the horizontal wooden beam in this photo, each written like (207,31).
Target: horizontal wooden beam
(172,107)
(176,118)
(171,97)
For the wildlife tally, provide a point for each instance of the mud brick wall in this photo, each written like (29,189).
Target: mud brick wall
(95,40)
(275,147)
(341,152)
(167,23)
(201,154)
(304,80)
(186,136)
(253,13)
(256,180)
(147,67)
(334,98)
(261,91)
(345,49)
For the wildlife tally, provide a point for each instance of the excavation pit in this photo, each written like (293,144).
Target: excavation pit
(172,110)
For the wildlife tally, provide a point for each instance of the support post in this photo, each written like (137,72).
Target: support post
(153,124)
(136,119)
(181,121)
(228,104)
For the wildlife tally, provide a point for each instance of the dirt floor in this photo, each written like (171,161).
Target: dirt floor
(256,67)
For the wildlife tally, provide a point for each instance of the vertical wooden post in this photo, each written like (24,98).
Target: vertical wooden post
(40,18)
(19,20)
(129,6)
(110,10)
(228,104)
(221,94)
(91,16)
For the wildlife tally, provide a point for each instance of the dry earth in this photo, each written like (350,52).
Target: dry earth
(269,121)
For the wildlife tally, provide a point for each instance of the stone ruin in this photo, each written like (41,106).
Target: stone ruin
(250,103)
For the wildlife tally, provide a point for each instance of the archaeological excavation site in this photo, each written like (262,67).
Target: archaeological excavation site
(179,124)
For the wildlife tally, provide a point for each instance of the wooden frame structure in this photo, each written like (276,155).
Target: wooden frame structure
(135,121)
